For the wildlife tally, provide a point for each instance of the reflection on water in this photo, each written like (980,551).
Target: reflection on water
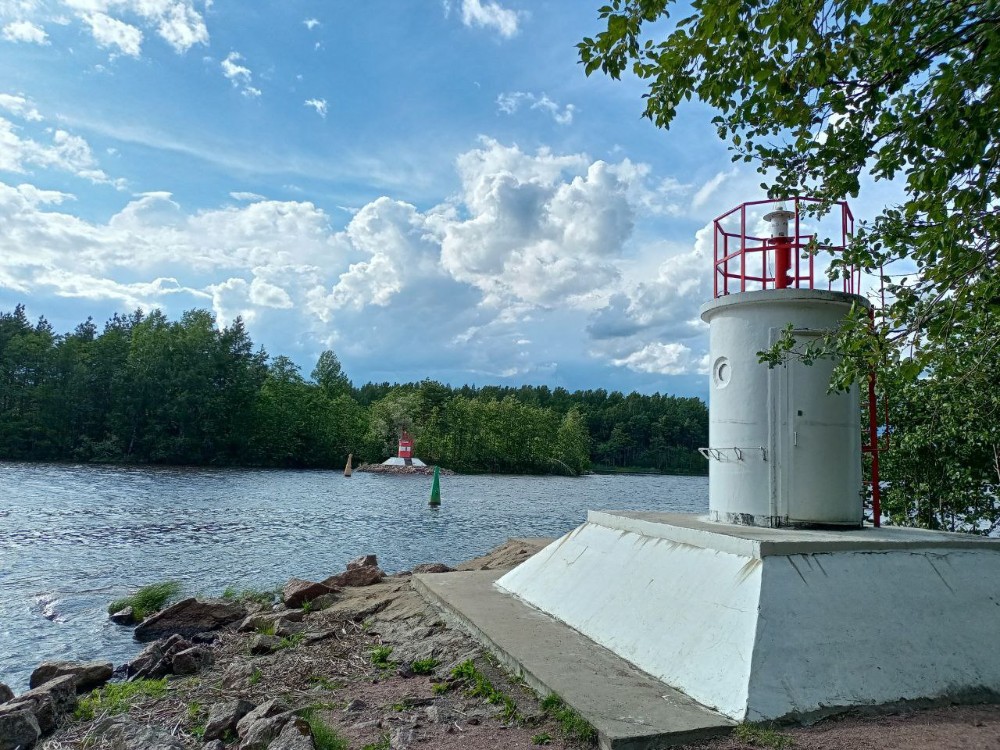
(72,538)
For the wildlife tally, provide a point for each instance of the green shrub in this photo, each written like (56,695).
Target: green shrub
(242,596)
(380,656)
(424,666)
(147,600)
(117,697)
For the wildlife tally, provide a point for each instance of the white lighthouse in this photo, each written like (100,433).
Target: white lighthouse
(780,602)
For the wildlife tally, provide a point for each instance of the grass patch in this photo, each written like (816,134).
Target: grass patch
(759,735)
(266,628)
(325,683)
(255,676)
(291,641)
(147,600)
(571,723)
(542,739)
(440,688)
(324,736)
(384,743)
(380,656)
(243,596)
(478,686)
(117,697)
(424,666)
(196,720)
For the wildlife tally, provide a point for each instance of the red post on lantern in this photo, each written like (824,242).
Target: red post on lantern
(782,245)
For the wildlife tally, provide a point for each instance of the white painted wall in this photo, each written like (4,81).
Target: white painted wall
(799,455)
(685,614)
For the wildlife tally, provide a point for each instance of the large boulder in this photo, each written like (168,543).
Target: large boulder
(5,693)
(191,660)
(50,701)
(189,616)
(432,568)
(89,674)
(157,659)
(266,620)
(18,727)
(295,736)
(297,591)
(223,717)
(363,576)
(365,561)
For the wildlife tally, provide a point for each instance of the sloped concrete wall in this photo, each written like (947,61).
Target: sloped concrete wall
(866,628)
(683,613)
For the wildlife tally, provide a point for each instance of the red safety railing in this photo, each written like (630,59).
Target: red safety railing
(742,258)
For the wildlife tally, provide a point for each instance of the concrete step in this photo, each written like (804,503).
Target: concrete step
(629,709)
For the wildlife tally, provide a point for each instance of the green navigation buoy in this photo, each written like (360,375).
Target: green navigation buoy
(435,490)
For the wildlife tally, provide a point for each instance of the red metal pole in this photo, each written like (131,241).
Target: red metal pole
(873,444)
(743,247)
(782,261)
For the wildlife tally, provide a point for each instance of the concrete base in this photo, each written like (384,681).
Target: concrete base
(766,623)
(629,709)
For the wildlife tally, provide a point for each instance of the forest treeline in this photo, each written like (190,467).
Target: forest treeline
(146,389)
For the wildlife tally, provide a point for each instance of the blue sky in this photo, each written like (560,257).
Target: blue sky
(431,189)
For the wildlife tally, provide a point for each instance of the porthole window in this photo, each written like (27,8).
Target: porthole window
(722,372)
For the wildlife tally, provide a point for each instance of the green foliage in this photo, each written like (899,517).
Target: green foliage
(822,95)
(762,736)
(255,676)
(117,697)
(147,600)
(571,723)
(196,719)
(440,688)
(380,656)
(324,737)
(424,666)
(325,682)
(151,390)
(266,627)
(543,738)
(291,641)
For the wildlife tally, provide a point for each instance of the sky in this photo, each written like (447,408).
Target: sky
(431,189)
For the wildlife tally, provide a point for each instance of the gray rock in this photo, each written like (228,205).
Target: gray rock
(50,701)
(364,576)
(189,616)
(365,561)
(322,602)
(433,714)
(223,717)
(432,568)
(191,660)
(296,735)
(213,745)
(89,675)
(356,705)
(123,617)
(265,710)
(156,660)
(6,693)
(265,620)
(152,738)
(402,738)
(297,591)
(260,734)
(18,728)
(264,644)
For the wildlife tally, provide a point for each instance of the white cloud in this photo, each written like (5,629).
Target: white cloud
(319,105)
(242,196)
(510,102)
(109,33)
(239,75)
(20,106)
(311,23)
(66,152)
(25,31)
(662,359)
(490,15)
(709,188)
(177,22)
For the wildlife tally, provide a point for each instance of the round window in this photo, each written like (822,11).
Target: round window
(722,372)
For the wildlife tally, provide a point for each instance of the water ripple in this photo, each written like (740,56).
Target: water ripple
(72,538)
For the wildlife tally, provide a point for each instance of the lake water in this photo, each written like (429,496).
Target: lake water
(73,538)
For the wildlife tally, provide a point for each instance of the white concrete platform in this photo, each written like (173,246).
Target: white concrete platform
(629,709)
(772,623)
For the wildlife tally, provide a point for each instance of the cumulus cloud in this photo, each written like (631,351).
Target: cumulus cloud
(510,102)
(239,75)
(20,106)
(663,359)
(177,22)
(490,15)
(110,33)
(707,190)
(25,31)
(319,105)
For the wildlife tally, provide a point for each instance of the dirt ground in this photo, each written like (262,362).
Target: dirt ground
(331,667)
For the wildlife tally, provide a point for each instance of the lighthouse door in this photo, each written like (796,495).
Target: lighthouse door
(820,469)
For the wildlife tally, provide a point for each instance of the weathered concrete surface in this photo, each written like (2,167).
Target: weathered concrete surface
(764,624)
(629,709)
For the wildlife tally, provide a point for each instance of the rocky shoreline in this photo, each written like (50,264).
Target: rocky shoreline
(359,657)
(394,469)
